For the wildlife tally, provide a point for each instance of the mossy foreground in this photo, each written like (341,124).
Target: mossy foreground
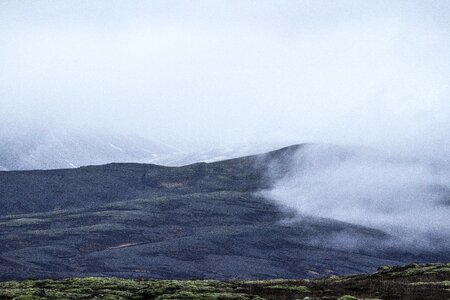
(430,281)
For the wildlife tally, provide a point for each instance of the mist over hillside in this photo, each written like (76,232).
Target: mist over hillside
(405,195)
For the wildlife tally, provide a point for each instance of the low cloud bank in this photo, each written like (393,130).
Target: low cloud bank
(407,197)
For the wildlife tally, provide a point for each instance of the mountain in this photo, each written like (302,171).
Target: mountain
(204,220)
(218,153)
(40,148)
(36,148)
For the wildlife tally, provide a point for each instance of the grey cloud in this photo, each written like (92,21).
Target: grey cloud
(407,197)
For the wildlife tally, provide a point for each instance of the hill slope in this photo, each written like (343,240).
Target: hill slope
(197,221)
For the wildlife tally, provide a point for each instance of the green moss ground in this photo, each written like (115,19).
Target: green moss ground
(408,282)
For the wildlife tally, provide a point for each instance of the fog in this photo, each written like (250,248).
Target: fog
(405,196)
(198,74)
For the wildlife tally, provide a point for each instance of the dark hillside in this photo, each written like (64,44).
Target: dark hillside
(41,191)
(148,221)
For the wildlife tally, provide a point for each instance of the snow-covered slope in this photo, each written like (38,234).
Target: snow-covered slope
(181,158)
(68,148)
(42,149)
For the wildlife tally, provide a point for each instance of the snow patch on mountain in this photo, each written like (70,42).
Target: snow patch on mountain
(51,149)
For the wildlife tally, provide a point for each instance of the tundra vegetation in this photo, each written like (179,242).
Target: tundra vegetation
(427,281)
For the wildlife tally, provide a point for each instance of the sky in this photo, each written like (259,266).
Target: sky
(200,74)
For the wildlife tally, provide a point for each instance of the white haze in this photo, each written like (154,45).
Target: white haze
(201,74)
(406,196)
(197,74)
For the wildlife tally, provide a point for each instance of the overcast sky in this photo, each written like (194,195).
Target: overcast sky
(197,74)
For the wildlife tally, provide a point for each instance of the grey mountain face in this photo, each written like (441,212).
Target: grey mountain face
(204,220)
(52,149)
(38,148)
